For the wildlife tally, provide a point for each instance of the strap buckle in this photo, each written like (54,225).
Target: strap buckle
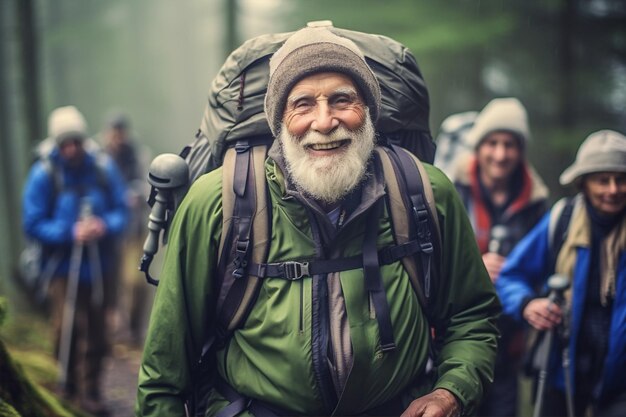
(295,270)
(423,230)
(240,261)
(242,146)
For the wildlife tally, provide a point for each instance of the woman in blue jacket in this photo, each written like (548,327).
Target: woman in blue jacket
(593,257)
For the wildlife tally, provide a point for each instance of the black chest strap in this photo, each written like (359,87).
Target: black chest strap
(296,270)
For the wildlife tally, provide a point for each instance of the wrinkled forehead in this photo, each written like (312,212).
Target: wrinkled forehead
(324,83)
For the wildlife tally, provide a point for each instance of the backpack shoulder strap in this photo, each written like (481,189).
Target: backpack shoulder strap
(100,162)
(558,225)
(413,215)
(55,174)
(245,234)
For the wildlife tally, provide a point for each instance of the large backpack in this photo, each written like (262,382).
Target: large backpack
(234,134)
(451,140)
(235,104)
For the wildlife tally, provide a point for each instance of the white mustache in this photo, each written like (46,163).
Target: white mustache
(328,145)
(313,138)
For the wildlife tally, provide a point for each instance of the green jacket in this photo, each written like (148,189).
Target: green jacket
(271,357)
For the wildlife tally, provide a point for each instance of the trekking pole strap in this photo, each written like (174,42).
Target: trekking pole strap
(296,270)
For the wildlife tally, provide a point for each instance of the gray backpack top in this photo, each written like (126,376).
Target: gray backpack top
(235,104)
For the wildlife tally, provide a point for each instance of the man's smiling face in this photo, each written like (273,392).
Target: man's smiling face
(327,136)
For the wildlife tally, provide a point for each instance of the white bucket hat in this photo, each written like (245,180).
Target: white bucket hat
(602,151)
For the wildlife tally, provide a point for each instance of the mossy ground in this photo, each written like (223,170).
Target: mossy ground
(28,367)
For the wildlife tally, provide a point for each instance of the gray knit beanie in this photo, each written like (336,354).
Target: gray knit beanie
(500,114)
(65,123)
(602,151)
(309,51)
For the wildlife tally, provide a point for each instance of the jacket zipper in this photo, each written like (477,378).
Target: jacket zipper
(320,332)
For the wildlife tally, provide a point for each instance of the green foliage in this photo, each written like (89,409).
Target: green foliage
(28,330)
(24,397)
(6,410)
(26,368)
(38,365)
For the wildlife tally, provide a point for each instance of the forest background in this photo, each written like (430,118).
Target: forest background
(155,59)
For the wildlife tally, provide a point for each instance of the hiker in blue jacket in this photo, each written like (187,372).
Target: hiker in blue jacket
(592,255)
(61,185)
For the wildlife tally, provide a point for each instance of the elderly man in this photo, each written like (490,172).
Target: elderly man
(312,346)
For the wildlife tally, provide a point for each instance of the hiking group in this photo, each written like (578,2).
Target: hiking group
(319,264)
(322,270)
(77,206)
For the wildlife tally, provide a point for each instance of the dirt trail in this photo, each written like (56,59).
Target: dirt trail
(120,380)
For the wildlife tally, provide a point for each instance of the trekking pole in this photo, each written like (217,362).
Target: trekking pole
(69,307)
(564,334)
(46,275)
(168,172)
(557,284)
(97,290)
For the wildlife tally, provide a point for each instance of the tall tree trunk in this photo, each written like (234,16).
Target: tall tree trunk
(231,40)
(567,64)
(10,158)
(5,134)
(30,70)
(58,77)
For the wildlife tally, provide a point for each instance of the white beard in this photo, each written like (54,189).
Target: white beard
(329,178)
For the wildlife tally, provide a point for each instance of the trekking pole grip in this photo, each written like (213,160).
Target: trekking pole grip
(557,284)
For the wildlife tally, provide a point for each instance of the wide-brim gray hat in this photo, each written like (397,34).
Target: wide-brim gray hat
(313,50)
(602,151)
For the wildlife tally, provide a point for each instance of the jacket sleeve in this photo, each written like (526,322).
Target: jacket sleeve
(465,306)
(526,268)
(37,220)
(182,311)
